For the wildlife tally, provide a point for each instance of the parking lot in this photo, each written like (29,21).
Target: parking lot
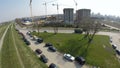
(53,57)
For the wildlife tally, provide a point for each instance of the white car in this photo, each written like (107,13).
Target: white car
(69,57)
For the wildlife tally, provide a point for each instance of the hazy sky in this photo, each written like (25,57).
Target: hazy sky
(11,9)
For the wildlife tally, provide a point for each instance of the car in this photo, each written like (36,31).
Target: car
(43,58)
(28,33)
(48,44)
(27,42)
(114,46)
(118,52)
(24,39)
(80,60)
(38,51)
(52,48)
(52,65)
(69,57)
(34,37)
(39,40)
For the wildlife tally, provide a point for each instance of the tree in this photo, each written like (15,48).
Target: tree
(54,24)
(90,27)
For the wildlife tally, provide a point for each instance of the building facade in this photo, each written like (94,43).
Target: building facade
(82,14)
(68,15)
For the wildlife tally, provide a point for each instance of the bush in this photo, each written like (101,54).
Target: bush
(78,31)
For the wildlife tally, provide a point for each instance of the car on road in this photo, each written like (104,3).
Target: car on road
(53,49)
(114,46)
(69,57)
(28,33)
(52,65)
(118,52)
(48,44)
(38,51)
(34,37)
(39,40)
(80,60)
(43,58)
(28,42)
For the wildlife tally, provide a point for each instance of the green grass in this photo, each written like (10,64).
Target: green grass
(99,53)
(9,55)
(2,29)
(29,58)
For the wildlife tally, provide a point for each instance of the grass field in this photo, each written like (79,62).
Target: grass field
(2,29)
(99,53)
(10,57)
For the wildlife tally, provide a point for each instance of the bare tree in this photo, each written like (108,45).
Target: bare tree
(90,27)
(54,24)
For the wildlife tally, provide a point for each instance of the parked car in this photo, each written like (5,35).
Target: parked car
(52,65)
(24,39)
(80,60)
(114,46)
(34,37)
(27,42)
(52,48)
(39,40)
(38,51)
(28,33)
(48,44)
(69,57)
(118,52)
(43,58)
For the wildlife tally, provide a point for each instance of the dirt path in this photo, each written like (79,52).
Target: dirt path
(22,65)
(1,42)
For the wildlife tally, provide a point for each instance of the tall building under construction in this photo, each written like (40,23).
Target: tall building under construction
(68,15)
(82,14)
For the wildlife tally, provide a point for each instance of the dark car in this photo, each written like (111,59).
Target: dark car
(118,52)
(48,44)
(52,65)
(114,46)
(38,51)
(80,60)
(43,58)
(39,40)
(24,39)
(52,48)
(27,42)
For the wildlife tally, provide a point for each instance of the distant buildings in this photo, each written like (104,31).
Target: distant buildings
(68,15)
(82,14)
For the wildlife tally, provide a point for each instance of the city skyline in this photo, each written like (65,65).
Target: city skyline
(11,9)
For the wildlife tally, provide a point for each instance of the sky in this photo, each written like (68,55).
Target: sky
(11,9)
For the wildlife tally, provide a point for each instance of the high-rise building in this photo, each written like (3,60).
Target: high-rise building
(68,15)
(82,14)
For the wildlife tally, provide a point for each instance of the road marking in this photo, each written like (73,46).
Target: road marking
(22,65)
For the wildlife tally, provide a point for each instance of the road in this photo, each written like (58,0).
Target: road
(114,35)
(57,57)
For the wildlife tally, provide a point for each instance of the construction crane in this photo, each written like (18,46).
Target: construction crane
(75,4)
(31,9)
(45,3)
(57,10)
